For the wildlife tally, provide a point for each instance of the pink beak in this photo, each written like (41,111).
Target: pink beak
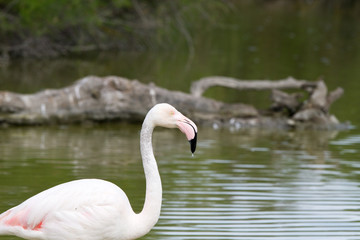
(189,128)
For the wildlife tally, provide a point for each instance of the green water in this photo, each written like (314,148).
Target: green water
(246,184)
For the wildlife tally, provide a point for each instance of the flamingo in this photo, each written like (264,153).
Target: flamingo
(95,209)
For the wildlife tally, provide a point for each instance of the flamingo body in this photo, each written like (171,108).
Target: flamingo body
(94,209)
(68,211)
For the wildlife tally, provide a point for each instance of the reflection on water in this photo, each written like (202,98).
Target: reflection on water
(249,184)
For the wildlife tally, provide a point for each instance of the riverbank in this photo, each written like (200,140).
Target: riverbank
(37,29)
(53,28)
(50,28)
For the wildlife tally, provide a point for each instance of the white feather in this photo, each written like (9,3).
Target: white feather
(93,209)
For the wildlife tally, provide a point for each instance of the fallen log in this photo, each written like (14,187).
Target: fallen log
(109,98)
(114,98)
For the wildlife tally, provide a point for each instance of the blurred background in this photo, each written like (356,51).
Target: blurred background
(50,44)
(245,184)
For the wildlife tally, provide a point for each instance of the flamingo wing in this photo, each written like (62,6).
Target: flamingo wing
(68,211)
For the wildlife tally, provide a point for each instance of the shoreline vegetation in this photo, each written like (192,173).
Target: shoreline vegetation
(52,28)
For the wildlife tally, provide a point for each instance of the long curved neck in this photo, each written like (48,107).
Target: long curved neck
(151,211)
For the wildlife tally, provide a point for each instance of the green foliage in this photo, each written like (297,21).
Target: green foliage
(40,15)
(43,16)
(122,3)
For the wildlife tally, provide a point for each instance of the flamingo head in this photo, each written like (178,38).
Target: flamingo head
(165,115)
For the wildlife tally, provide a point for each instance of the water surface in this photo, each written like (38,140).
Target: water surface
(254,185)
(246,184)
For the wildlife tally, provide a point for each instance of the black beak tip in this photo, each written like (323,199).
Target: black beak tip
(193,143)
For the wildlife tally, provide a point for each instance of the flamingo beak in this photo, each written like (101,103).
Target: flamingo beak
(189,128)
(193,143)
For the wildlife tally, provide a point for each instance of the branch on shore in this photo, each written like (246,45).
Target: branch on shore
(115,98)
(200,86)
(314,110)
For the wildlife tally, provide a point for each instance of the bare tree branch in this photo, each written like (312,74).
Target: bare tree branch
(200,86)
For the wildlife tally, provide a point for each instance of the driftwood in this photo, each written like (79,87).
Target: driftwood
(312,112)
(200,86)
(115,98)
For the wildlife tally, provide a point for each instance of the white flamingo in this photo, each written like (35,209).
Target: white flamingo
(94,209)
